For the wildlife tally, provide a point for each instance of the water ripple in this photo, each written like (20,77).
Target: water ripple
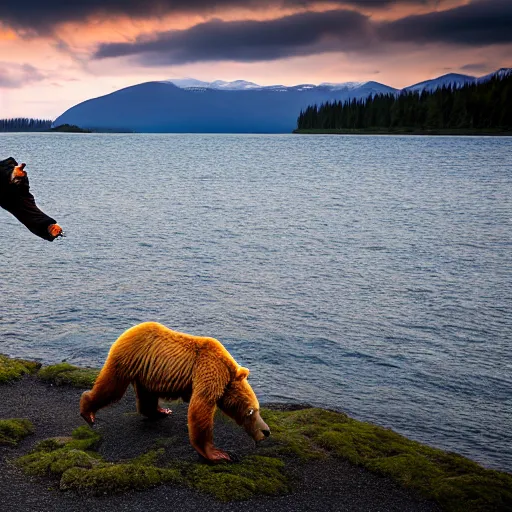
(365,274)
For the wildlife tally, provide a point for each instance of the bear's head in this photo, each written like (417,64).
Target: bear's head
(86,410)
(240,403)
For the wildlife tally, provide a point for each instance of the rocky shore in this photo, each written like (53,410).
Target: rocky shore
(315,460)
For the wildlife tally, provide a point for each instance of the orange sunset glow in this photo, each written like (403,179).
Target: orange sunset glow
(56,54)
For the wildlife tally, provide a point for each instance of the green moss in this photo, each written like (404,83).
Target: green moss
(84,438)
(56,455)
(116,478)
(150,458)
(11,369)
(82,470)
(62,373)
(255,475)
(456,483)
(51,444)
(70,459)
(67,374)
(491,490)
(55,462)
(288,437)
(12,431)
(226,487)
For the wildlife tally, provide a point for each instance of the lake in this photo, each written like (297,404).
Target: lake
(371,275)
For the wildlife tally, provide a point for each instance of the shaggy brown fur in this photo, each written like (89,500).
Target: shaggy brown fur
(161,363)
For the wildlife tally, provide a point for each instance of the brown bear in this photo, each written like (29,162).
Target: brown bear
(161,363)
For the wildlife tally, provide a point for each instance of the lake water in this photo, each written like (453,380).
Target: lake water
(371,275)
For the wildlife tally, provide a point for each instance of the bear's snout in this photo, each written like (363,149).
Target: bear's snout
(259,430)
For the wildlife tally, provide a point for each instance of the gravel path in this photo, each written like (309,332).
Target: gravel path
(329,485)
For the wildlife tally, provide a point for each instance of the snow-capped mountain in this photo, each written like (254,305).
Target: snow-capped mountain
(456,80)
(343,85)
(501,73)
(237,85)
(243,85)
(192,83)
(190,105)
(186,83)
(451,79)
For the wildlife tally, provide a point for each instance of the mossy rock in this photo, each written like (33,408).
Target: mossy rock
(12,431)
(56,455)
(67,374)
(116,478)
(253,476)
(56,462)
(12,369)
(456,483)
(81,469)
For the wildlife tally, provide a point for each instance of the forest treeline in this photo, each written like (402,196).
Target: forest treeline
(24,124)
(482,106)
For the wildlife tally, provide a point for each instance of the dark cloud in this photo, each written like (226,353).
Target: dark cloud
(476,24)
(39,17)
(479,23)
(300,34)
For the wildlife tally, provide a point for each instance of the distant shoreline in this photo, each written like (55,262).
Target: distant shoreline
(404,131)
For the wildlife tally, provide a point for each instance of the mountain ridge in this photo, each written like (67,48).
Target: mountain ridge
(225,107)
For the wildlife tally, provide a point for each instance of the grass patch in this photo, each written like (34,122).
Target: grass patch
(456,483)
(67,374)
(12,369)
(12,431)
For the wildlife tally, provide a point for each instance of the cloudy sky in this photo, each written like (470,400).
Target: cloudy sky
(56,53)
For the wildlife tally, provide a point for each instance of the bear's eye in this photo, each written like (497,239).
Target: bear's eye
(251,412)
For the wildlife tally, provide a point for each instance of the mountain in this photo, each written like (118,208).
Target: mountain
(456,80)
(190,105)
(501,73)
(451,79)
(190,83)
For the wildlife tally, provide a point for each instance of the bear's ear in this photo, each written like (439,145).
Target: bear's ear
(242,373)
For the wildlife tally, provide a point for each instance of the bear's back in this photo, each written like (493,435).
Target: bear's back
(152,350)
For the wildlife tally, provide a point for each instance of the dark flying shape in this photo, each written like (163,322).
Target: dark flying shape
(15,197)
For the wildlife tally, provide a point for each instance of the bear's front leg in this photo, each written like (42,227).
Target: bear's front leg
(200,427)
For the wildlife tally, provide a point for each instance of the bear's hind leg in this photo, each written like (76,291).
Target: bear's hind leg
(147,403)
(107,389)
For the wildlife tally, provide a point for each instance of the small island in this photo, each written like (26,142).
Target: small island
(69,128)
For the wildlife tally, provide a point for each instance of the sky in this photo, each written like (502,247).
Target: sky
(57,53)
